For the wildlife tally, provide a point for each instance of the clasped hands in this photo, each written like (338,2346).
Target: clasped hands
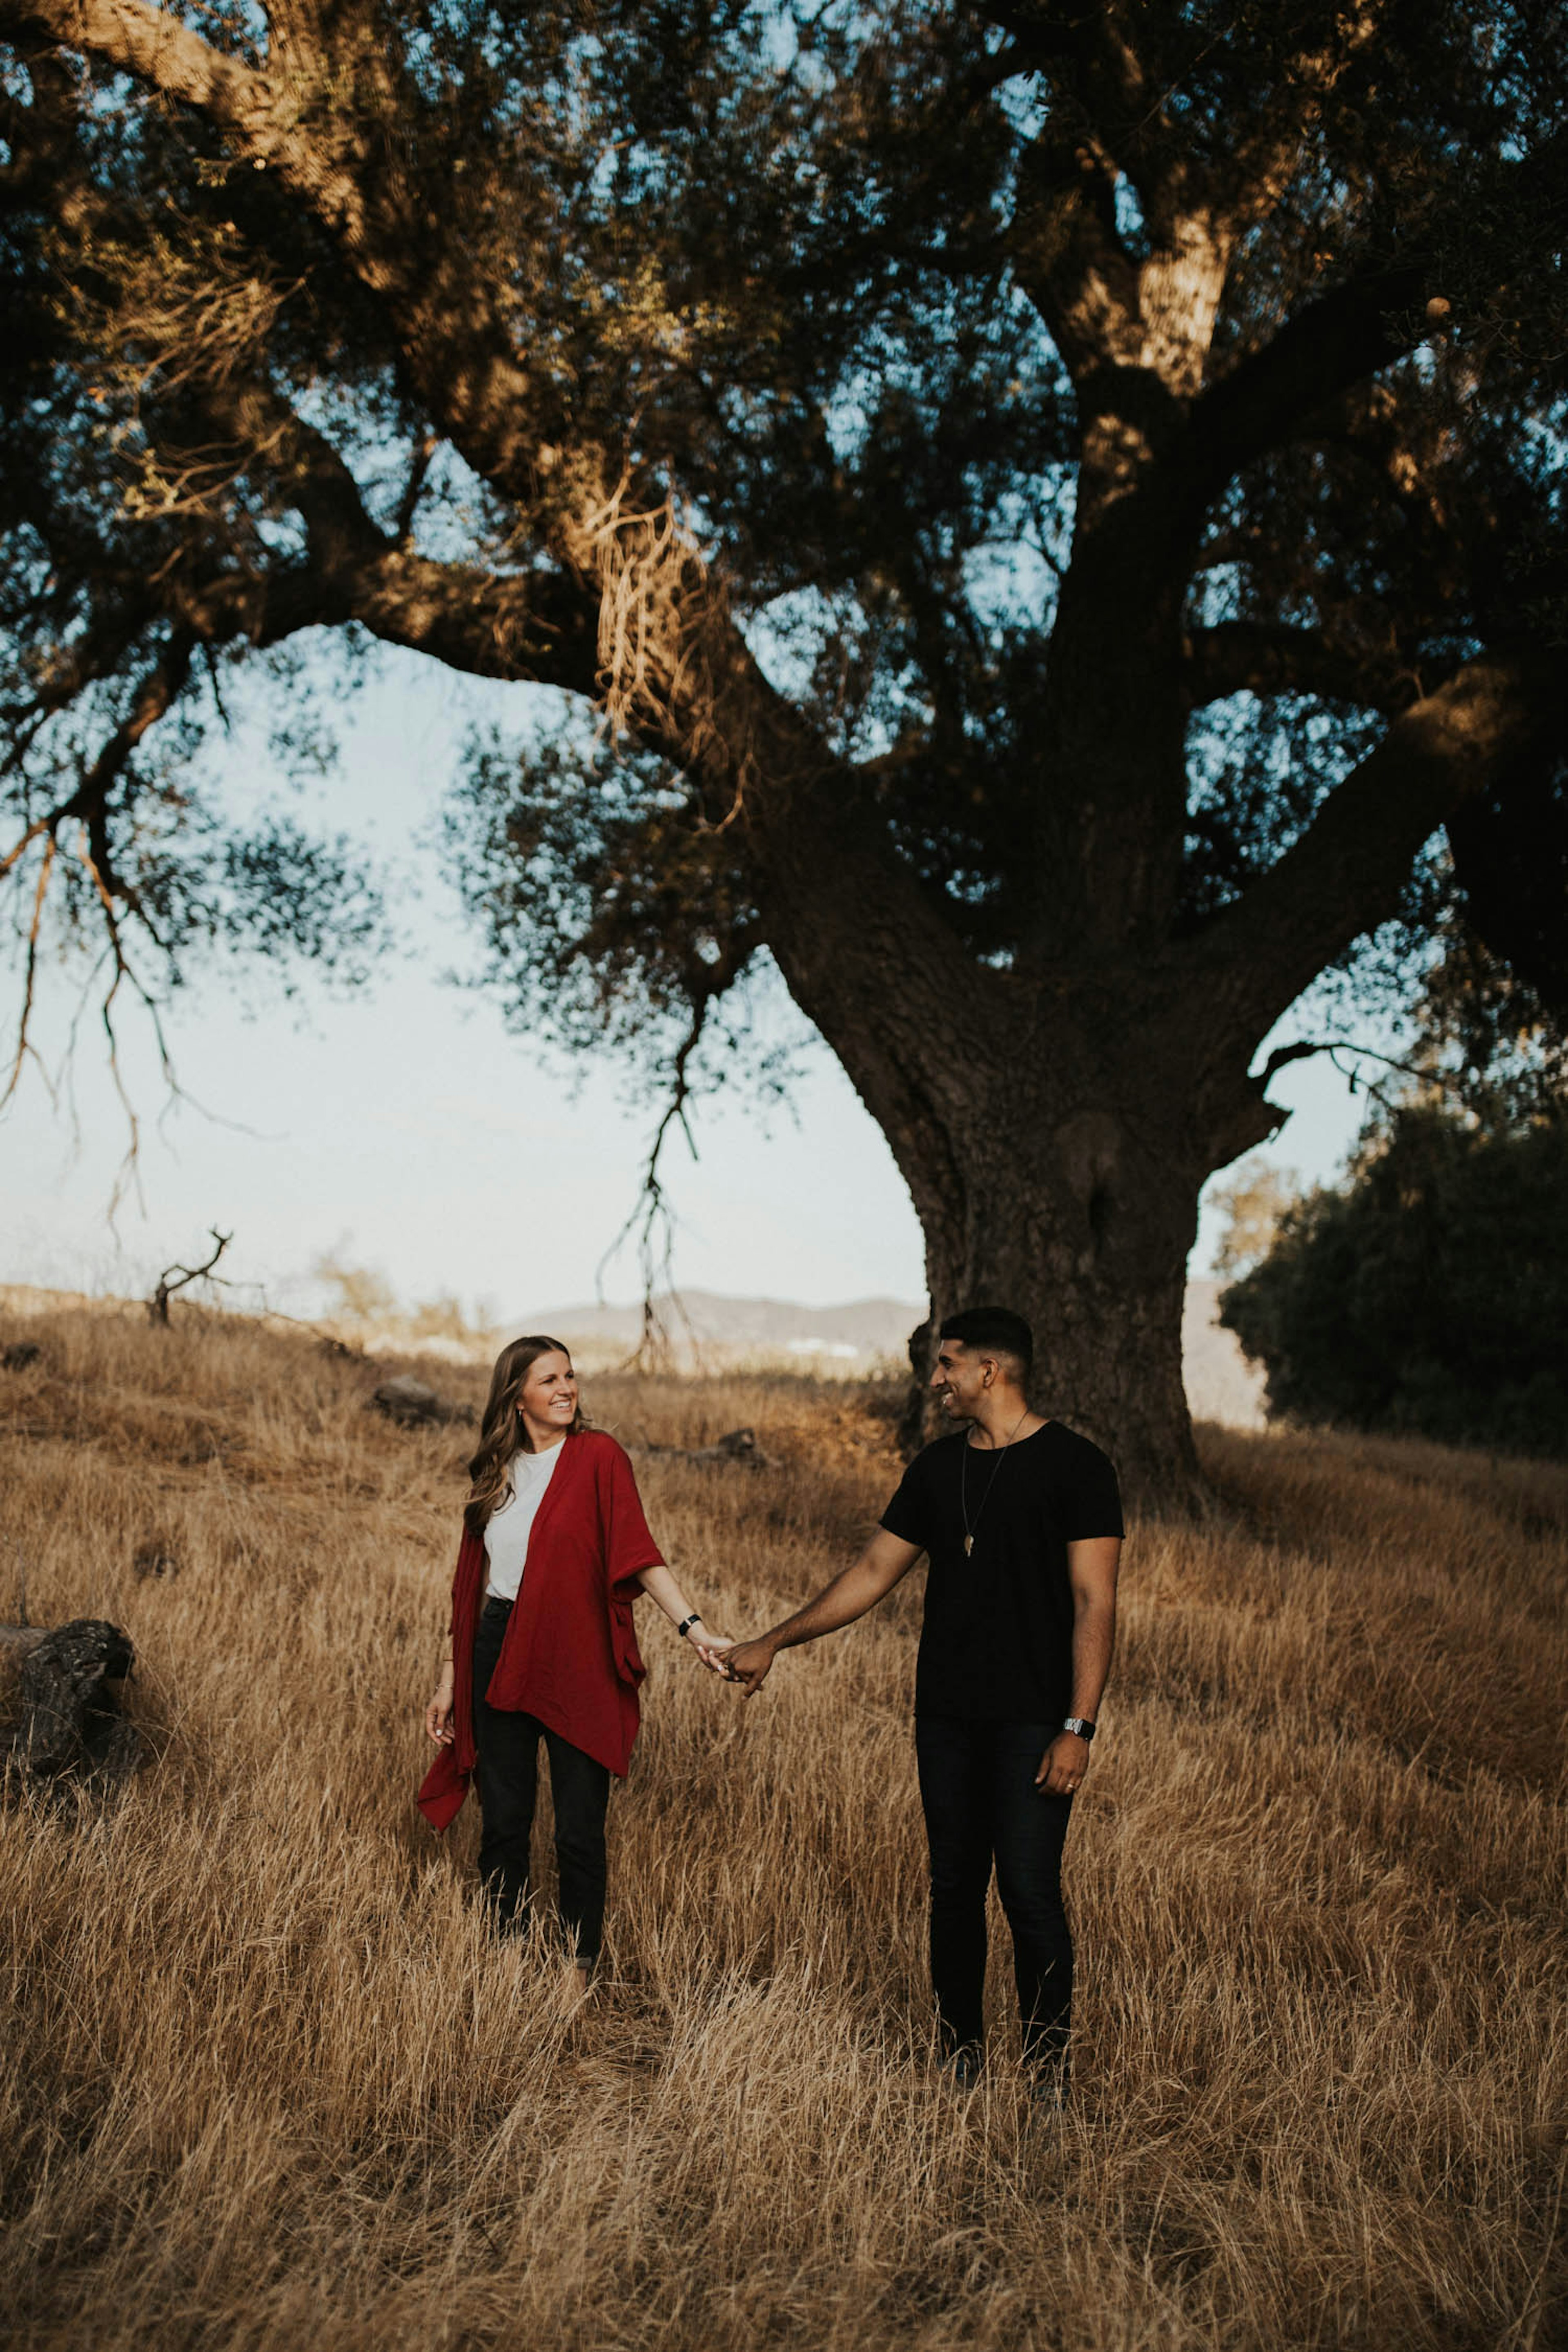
(746,1662)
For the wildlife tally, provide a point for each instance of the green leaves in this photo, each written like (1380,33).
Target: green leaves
(1430,1294)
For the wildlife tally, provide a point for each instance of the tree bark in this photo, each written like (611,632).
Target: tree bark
(1075,1215)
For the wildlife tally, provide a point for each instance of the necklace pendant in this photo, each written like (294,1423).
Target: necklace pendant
(968,1546)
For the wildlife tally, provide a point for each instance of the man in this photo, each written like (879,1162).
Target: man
(1021,1521)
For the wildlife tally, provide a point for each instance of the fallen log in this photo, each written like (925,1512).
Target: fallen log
(736,1446)
(71,1732)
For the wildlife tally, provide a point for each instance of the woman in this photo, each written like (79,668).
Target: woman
(554,1551)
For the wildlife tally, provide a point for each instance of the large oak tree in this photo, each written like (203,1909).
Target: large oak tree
(1056,504)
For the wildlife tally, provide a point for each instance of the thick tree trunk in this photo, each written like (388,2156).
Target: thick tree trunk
(1053,1146)
(1082,1227)
(1075,1206)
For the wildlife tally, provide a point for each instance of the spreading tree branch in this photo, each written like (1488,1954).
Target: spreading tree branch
(695,690)
(1377,316)
(1265,657)
(1345,871)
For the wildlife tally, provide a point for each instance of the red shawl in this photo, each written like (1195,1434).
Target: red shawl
(570,1655)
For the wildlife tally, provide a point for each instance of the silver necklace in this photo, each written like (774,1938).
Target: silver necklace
(971,1532)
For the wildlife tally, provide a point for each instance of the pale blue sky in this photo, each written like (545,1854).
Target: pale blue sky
(405,1128)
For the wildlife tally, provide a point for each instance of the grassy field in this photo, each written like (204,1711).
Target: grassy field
(264,2083)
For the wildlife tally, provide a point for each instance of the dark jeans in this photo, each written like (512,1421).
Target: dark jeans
(508,1778)
(977,1786)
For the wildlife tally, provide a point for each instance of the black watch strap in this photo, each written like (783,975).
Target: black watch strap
(1081,1725)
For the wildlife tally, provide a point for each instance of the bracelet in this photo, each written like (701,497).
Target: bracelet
(687,1623)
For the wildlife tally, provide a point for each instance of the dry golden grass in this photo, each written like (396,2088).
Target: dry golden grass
(265,2082)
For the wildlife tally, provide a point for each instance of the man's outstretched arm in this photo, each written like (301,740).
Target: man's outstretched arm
(855,1590)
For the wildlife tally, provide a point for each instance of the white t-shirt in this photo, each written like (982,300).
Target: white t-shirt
(511,1522)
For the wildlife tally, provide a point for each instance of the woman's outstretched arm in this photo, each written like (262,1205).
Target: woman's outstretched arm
(661,1588)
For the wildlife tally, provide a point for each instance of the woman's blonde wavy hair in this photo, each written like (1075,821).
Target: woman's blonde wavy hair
(502,1432)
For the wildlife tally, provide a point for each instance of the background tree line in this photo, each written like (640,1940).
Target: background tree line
(1427,1293)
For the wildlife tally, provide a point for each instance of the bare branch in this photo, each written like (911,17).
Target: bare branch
(1429,1074)
(89,805)
(120,970)
(25,1047)
(153,696)
(650,1220)
(1304,1048)
(158,1305)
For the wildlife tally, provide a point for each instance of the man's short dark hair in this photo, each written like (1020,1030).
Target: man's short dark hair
(995,1330)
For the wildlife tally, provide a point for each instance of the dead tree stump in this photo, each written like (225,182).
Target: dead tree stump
(412,1405)
(71,1732)
(736,1448)
(736,1445)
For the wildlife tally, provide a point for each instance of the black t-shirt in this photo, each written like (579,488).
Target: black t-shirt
(997,1645)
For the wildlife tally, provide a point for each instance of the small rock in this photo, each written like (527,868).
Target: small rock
(155,1559)
(412,1405)
(735,1445)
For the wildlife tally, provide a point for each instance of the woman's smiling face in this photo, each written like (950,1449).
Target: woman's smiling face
(547,1399)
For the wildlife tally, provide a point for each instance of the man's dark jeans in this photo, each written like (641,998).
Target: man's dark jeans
(977,1786)
(508,1777)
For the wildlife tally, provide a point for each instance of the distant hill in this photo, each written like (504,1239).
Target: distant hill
(864,1331)
(1221,1384)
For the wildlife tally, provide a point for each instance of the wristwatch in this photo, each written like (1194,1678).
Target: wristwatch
(1081,1725)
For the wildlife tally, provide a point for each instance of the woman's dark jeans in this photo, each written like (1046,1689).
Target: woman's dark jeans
(508,1777)
(977,1786)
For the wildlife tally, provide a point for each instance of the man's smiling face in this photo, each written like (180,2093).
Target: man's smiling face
(958,1379)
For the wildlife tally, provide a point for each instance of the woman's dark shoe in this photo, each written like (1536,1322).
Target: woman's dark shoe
(1048,2090)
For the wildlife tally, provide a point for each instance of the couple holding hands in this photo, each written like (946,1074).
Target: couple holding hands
(1020,1520)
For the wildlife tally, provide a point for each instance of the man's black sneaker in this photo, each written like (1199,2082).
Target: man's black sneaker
(963,2066)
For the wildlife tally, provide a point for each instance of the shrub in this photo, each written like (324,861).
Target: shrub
(1429,1293)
